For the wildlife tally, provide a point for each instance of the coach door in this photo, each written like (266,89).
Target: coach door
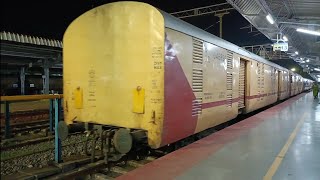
(242,81)
(279,84)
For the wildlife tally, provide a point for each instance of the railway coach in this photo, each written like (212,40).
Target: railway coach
(130,68)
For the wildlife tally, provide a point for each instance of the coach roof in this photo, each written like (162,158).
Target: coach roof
(186,28)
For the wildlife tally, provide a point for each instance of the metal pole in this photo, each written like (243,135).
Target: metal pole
(7,120)
(46,77)
(220,25)
(22,80)
(220,15)
(46,80)
(51,115)
(57,141)
(298,23)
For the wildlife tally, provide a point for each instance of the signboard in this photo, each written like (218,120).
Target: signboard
(280,46)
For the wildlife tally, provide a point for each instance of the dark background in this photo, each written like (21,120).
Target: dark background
(49,19)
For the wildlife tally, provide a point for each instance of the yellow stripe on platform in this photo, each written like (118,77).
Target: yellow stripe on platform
(277,162)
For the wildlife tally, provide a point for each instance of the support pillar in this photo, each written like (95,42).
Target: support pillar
(57,141)
(46,77)
(22,80)
(220,15)
(51,115)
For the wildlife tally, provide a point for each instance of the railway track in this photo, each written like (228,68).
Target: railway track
(34,141)
(101,170)
(121,168)
(84,167)
(22,117)
(25,143)
(28,127)
(26,122)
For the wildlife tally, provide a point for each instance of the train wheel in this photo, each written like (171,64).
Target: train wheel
(122,141)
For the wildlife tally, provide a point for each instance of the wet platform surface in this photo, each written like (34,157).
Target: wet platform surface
(282,142)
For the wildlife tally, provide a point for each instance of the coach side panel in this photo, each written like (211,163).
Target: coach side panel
(220,86)
(197,95)
(262,85)
(284,91)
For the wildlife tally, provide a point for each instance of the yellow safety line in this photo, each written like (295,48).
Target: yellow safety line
(276,163)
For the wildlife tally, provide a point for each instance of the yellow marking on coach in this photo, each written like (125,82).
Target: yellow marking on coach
(138,100)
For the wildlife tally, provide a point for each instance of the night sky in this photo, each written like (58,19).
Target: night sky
(49,19)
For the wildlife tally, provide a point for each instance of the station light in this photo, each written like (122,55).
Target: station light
(308,31)
(296,52)
(285,38)
(270,19)
(293,69)
(308,60)
(316,69)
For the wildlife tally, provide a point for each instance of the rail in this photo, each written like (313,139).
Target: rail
(54,113)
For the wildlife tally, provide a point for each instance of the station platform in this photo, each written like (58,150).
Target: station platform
(282,142)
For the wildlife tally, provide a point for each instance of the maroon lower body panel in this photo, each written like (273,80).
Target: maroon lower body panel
(178,96)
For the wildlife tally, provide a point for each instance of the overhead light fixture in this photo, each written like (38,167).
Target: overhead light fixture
(301,58)
(303,62)
(296,52)
(293,69)
(308,60)
(270,19)
(285,38)
(308,31)
(316,69)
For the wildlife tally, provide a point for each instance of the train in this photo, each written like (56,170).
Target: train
(307,85)
(132,71)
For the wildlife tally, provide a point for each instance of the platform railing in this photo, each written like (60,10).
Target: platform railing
(54,113)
